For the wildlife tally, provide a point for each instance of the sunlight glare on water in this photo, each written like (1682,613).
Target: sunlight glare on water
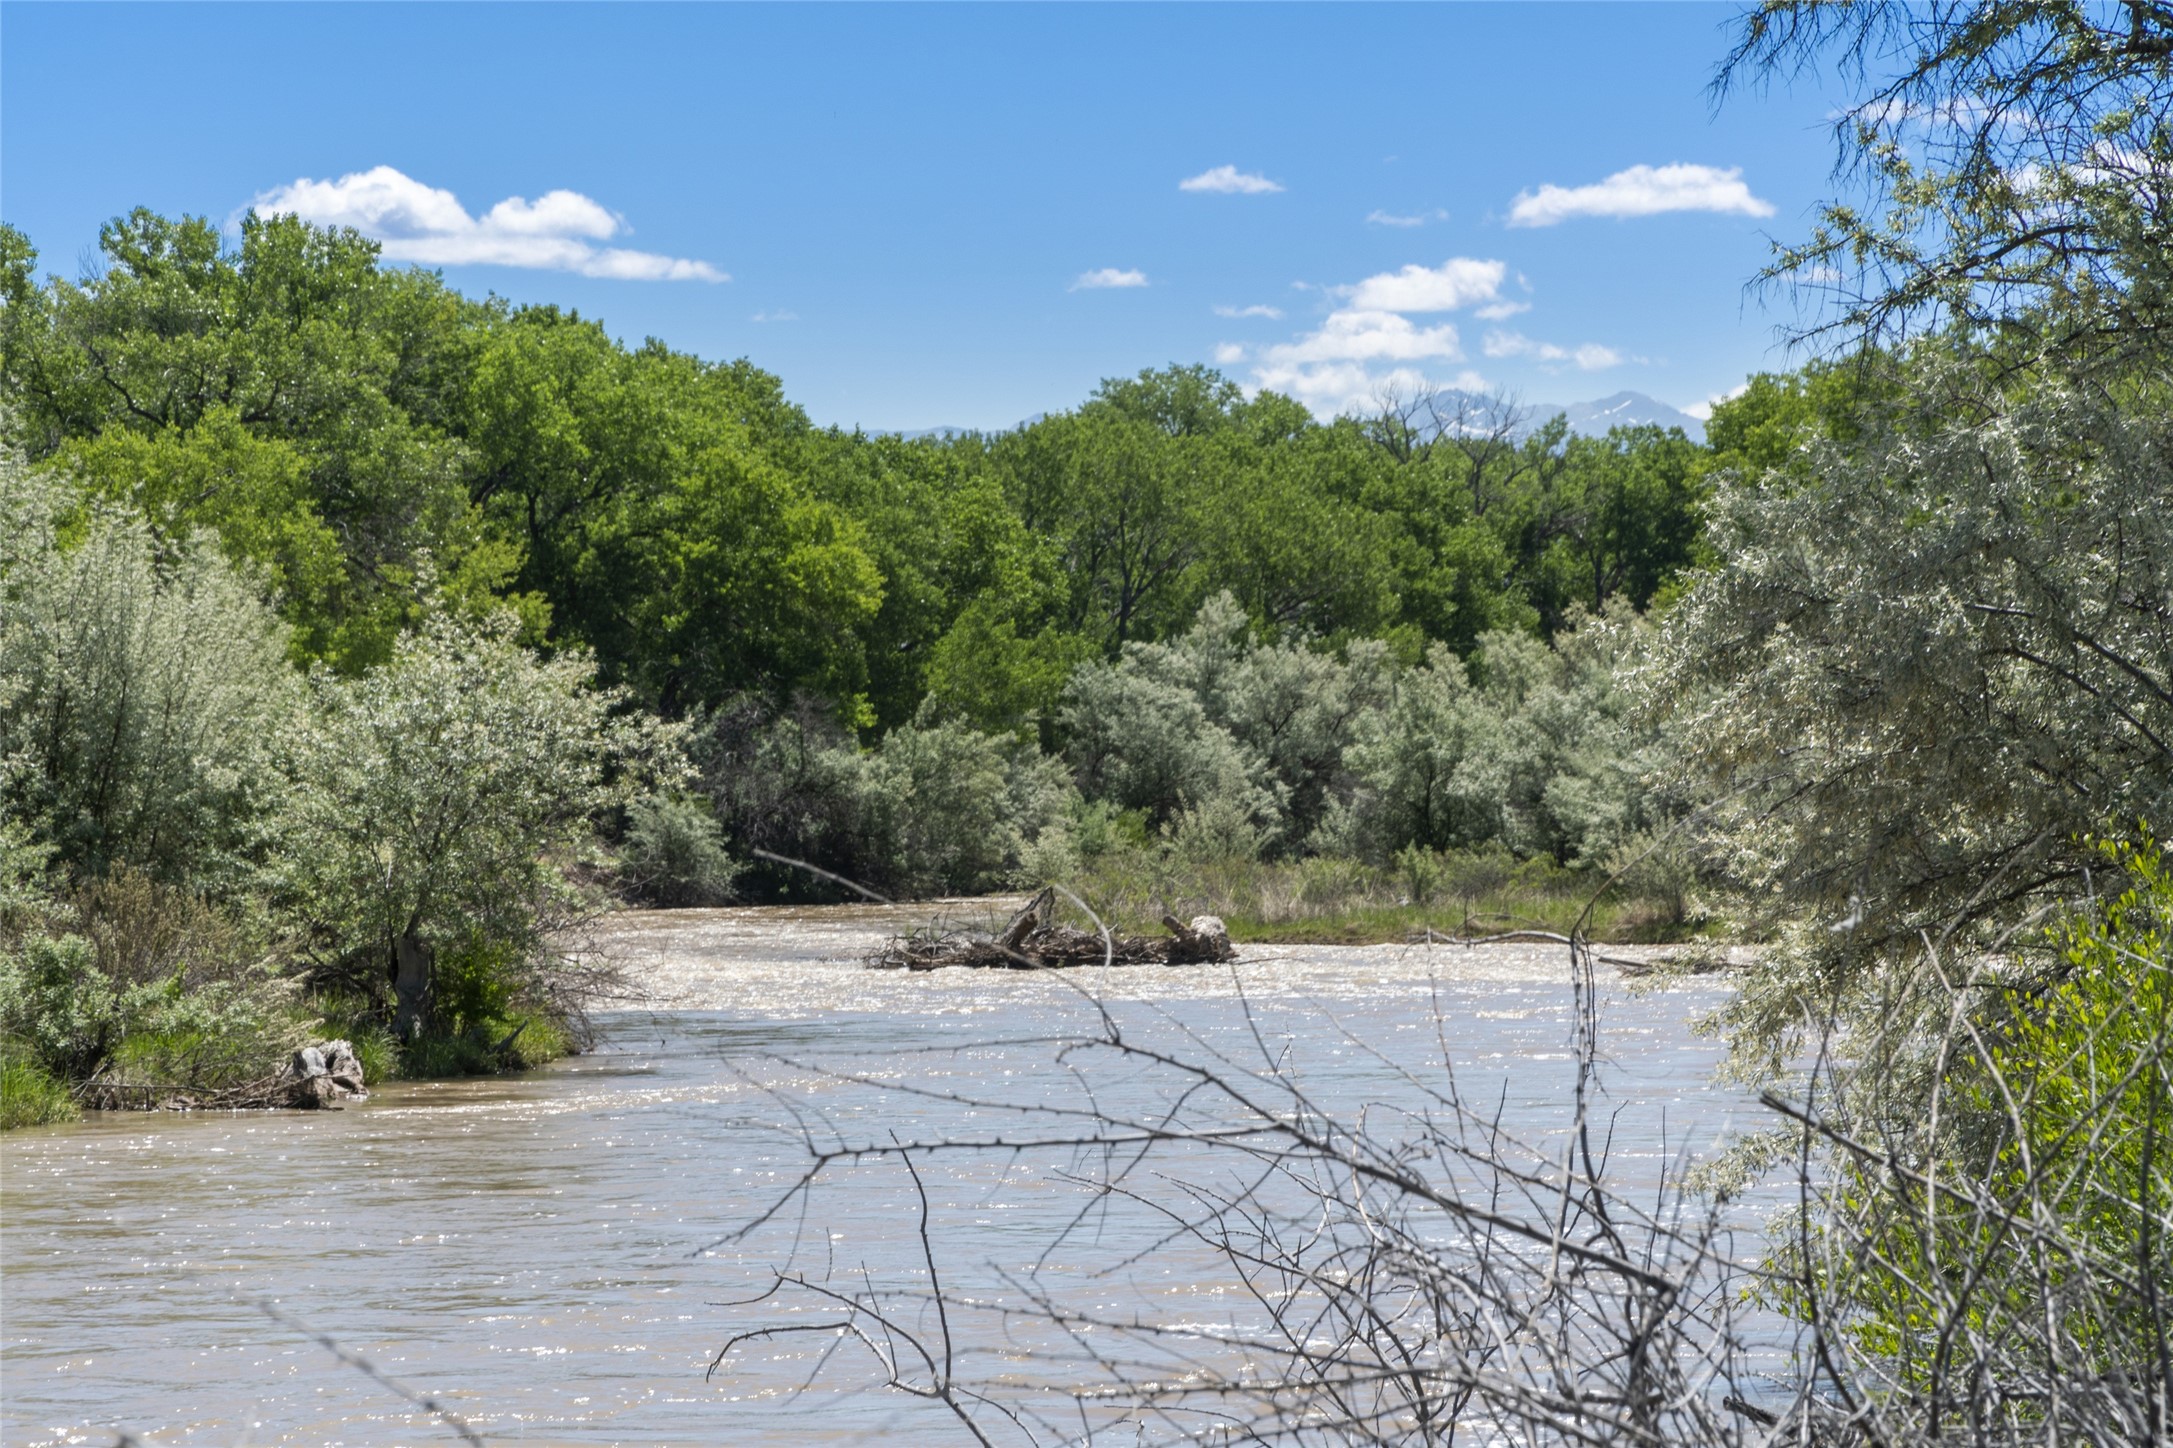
(543,1252)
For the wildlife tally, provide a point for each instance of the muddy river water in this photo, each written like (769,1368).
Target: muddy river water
(552,1256)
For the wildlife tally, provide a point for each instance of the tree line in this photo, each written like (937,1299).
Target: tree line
(365,436)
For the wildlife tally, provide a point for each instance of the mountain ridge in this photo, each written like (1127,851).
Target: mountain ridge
(1587,419)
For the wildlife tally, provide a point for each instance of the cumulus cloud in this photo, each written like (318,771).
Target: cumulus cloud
(1501,310)
(1230,182)
(1109,276)
(1339,387)
(1642,191)
(1703,411)
(1457,282)
(558,231)
(1352,335)
(1229,352)
(1589,357)
(1390,218)
(1369,341)
(1273,314)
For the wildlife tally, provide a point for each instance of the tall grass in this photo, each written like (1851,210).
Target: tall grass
(1333,900)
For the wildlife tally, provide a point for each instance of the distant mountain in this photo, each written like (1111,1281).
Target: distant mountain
(1623,409)
(1591,419)
(951,432)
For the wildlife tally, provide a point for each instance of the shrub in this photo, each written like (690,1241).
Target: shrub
(674,854)
(65,1010)
(140,695)
(79,1021)
(1995,1216)
(435,801)
(29,1095)
(935,807)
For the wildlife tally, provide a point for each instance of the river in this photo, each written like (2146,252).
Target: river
(551,1256)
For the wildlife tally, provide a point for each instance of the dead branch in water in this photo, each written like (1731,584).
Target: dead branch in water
(1034,940)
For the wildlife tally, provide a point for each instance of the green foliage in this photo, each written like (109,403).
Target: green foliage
(1335,899)
(370,447)
(140,690)
(1932,655)
(65,1010)
(435,800)
(2016,154)
(949,809)
(2038,1188)
(80,1015)
(673,853)
(29,1094)
(518,1040)
(933,808)
(345,373)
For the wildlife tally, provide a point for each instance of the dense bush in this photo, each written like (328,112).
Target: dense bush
(934,807)
(1933,655)
(673,853)
(141,691)
(133,982)
(436,801)
(2003,1198)
(1240,747)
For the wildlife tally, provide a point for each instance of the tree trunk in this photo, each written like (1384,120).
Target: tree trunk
(412,979)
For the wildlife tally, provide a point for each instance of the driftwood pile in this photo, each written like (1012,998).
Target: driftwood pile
(314,1077)
(1033,940)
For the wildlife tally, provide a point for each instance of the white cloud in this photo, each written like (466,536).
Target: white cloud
(1109,276)
(1642,191)
(1589,357)
(1337,387)
(1369,343)
(1352,335)
(1229,181)
(557,231)
(1457,282)
(1389,218)
(1229,352)
(1502,310)
(777,316)
(1703,411)
(1273,314)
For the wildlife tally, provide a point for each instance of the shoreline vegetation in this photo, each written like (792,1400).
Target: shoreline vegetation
(358,638)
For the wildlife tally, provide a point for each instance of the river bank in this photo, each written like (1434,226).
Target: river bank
(551,1254)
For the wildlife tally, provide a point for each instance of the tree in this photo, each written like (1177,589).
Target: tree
(294,346)
(438,798)
(1930,660)
(139,690)
(2019,156)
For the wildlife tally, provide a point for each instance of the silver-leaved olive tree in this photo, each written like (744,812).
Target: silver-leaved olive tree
(141,684)
(438,799)
(1933,658)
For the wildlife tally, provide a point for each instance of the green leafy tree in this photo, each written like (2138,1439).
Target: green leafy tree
(2015,156)
(437,801)
(299,337)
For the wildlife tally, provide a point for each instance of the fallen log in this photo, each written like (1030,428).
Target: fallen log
(1033,940)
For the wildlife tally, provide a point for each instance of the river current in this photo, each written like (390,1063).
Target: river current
(557,1257)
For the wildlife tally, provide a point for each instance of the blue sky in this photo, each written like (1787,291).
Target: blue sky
(904,211)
